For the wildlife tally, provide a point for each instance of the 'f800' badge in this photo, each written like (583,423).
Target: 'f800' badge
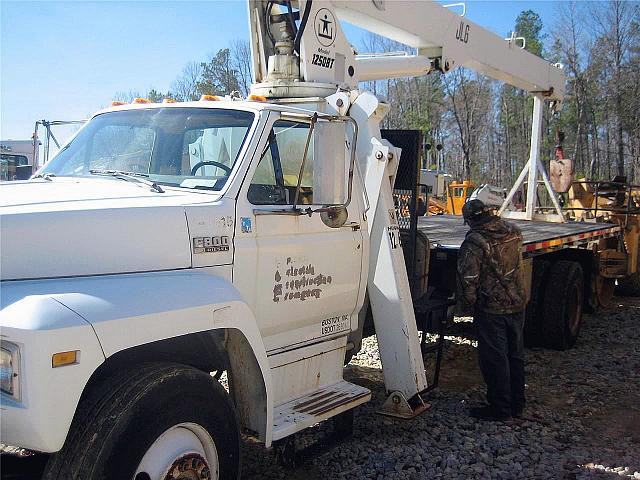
(210,244)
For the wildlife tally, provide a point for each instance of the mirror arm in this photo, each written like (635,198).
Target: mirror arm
(314,119)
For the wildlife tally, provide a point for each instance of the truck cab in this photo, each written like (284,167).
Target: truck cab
(217,235)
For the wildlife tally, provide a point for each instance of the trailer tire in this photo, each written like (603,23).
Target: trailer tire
(154,418)
(563,302)
(534,312)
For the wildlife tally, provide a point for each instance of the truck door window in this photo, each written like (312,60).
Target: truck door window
(276,177)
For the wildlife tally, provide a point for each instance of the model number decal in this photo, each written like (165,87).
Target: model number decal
(335,324)
(322,61)
(394,235)
(210,244)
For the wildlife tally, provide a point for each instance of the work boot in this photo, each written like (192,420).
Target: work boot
(488,413)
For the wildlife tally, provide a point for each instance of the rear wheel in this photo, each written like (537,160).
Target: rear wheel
(155,422)
(563,298)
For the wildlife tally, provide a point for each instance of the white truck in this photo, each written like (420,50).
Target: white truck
(171,242)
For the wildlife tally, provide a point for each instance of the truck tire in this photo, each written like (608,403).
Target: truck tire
(562,309)
(534,311)
(148,422)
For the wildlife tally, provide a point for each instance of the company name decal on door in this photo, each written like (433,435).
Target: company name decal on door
(300,282)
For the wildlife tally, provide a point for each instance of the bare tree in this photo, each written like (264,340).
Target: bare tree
(469,101)
(185,86)
(241,63)
(616,22)
(127,96)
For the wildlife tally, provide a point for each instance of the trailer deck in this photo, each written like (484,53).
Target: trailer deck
(448,232)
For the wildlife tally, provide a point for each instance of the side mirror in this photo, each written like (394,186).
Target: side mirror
(333,167)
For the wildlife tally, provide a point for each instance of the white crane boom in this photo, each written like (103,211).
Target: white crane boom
(454,41)
(325,60)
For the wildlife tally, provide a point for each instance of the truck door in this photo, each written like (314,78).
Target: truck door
(301,277)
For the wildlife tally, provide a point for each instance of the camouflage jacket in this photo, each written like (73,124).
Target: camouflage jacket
(489,273)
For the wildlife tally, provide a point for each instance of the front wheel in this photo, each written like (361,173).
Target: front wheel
(158,421)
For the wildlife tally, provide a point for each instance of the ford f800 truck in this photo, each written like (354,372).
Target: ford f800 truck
(169,242)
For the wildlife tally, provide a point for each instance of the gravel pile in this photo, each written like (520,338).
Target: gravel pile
(582,419)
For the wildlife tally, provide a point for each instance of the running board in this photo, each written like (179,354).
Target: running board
(303,412)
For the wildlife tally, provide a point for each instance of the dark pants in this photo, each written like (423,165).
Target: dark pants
(501,355)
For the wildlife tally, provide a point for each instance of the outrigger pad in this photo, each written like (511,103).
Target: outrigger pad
(396,405)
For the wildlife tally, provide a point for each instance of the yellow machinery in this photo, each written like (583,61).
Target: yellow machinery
(458,192)
(618,202)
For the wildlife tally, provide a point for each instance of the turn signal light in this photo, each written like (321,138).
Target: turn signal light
(61,359)
(209,98)
(117,103)
(141,100)
(256,98)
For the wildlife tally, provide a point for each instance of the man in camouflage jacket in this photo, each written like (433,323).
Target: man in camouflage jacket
(490,287)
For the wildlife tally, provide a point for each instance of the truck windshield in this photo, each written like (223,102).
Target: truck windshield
(183,147)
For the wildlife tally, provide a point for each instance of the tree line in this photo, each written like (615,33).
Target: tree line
(484,126)
(226,72)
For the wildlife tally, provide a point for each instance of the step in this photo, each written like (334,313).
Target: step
(303,412)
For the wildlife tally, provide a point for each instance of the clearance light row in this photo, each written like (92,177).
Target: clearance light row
(203,98)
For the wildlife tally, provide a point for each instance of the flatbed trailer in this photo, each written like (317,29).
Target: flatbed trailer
(447,232)
(569,268)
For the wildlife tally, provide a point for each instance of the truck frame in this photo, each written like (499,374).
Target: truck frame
(251,237)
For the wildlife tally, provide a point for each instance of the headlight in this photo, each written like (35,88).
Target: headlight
(9,367)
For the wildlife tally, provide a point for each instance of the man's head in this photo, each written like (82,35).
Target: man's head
(475,212)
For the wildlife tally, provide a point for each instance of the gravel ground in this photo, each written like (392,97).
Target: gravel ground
(582,418)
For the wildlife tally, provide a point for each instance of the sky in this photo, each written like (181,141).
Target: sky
(66,60)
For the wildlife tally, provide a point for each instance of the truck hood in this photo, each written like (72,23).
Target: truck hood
(79,226)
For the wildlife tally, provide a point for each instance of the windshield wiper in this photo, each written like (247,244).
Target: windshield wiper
(135,176)
(45,176)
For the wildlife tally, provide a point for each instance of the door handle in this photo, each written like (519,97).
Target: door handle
(355,226)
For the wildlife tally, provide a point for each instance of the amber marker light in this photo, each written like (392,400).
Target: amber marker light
(117,103)
(141,100)
(256,98)
(209,98)
(168,100)
(61,359)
